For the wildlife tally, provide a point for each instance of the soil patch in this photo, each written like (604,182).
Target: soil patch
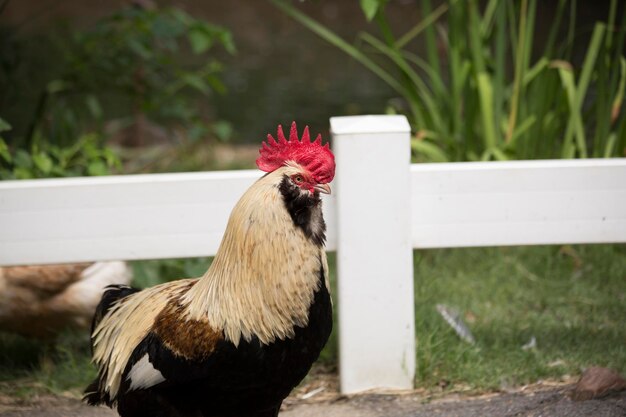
(320,399)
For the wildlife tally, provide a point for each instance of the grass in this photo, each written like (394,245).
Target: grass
(571,299)
(29,367)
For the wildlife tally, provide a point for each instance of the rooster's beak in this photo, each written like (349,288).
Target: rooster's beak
(323,188)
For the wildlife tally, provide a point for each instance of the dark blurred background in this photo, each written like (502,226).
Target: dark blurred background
(279,72)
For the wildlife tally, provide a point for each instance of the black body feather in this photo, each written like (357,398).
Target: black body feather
(111,295)
(248,380)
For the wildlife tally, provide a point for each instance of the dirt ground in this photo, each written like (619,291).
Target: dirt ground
(321,399)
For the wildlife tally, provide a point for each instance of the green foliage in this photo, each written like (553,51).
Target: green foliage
(4,149)
(478,93)
(141,59)
(85,157)
(135,67)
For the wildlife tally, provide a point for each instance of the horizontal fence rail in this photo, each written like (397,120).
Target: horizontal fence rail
(518,203)
(120,217)
(381,208)
(184,215)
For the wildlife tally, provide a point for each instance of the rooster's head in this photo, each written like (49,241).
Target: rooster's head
(313,163)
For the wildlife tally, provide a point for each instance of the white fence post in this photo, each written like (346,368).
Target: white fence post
(374,253)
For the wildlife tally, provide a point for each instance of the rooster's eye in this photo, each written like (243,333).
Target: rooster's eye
(298,179)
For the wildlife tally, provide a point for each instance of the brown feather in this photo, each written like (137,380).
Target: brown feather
(195,340)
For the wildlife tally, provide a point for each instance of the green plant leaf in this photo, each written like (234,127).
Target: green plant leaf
(197,131)
(499,155)
(23,160)
(534,72)
(431,151)
(619,97)
(226,37)
(200,40)
(139,48)
(195,81)
(223,130)
(93,104)
(4,151)
(370,8)
(520,48)
(22,173)
(111,158)
(576,95)
(425,95)
(216,84)
(488,17)
(485,91)
(521,128)
(574,125)
(43,162)
(590,59)
(97,168)
(610,145)
(426,22)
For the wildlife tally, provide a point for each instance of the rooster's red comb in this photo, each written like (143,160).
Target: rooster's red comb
(315,157)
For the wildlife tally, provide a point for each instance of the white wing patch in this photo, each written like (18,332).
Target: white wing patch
(123,328)
(144,375)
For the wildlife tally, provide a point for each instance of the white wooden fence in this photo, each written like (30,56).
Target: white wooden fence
(382,207)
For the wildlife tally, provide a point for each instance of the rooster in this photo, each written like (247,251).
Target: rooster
(236,341)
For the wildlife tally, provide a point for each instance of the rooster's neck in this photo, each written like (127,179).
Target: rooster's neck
(269,265)
(305,210)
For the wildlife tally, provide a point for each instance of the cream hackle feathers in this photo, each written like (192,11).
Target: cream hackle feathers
(264,276)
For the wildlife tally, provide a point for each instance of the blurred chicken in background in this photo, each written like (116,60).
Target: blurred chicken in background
(40,301)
